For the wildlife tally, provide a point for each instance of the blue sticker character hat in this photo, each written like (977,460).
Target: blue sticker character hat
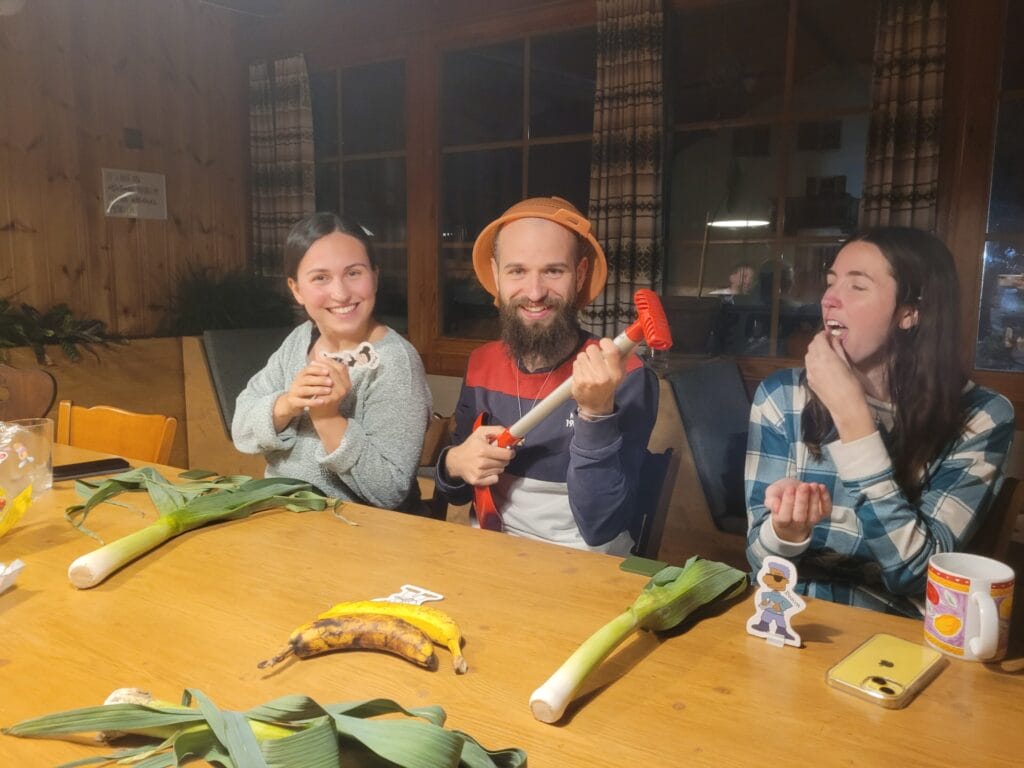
(780,569)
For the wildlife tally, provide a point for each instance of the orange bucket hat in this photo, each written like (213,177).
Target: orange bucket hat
(553,209)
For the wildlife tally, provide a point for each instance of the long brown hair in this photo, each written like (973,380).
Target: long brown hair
(925,374)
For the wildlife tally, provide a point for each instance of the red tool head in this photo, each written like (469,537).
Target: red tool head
(651,324)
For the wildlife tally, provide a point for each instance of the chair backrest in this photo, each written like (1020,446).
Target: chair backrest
(657,479)
(25,393)
(436,439)
(994,536)
(233,356)
(715,410)
(142,436)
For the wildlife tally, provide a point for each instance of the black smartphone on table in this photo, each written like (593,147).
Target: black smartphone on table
(89,468)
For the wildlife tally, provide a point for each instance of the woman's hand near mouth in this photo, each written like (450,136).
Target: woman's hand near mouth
(831,378)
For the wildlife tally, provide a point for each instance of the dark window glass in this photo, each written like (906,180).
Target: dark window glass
(835,42)
(476,188)
(710,182)
(469,311)
(324,97)
(562,170)
(825,179)
(1006,208)
(392,292)
(1013,52)
(1001,318)
(562,83)
(729,60)
(373,108)
(482,94)
(374,193)
(327,197)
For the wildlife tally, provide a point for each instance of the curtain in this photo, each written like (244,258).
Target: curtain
(901,178)
(625,205)
(281,152)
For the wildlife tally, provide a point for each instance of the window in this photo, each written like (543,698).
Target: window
(359,138)
(1001,314)
(515,121)
(770,104)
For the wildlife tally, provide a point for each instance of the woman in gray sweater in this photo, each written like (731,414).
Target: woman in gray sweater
(343,403)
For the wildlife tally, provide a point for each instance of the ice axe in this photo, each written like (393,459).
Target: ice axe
(650,326)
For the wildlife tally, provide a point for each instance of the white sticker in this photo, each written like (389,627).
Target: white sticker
(363,356)
(410,594)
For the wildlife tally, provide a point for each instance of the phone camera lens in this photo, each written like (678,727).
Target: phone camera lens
(887,690)
(879,681)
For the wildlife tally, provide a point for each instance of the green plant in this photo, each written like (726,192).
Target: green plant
(22,325)
(204,302)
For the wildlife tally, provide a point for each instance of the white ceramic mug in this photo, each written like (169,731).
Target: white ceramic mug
(969,600)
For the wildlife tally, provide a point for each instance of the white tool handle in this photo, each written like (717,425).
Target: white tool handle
(559,395)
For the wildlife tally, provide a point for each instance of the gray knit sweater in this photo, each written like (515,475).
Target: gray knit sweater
(388,410)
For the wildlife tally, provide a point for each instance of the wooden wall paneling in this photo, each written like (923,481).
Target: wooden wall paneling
(28,278)
(121,67)
(173,43)
(231,160)
(73,75)
(89,85)
(61,230)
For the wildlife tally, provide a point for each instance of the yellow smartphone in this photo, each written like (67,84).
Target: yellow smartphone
(887,670)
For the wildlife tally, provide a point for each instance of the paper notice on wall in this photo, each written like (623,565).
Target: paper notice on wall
(134,194)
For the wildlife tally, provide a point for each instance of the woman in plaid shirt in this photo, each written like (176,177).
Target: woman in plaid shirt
(879,452)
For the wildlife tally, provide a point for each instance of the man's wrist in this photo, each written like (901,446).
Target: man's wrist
(588,415)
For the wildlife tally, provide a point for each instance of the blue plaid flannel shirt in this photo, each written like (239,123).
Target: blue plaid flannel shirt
(873,550)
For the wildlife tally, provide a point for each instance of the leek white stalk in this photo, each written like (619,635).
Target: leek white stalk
(548,702)
(182,507)
(93,567)
(668,598)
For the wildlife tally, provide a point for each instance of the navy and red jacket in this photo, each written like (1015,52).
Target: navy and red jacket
(596,464)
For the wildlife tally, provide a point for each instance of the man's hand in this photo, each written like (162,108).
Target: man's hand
(796,507)
(478,461)
(596,375)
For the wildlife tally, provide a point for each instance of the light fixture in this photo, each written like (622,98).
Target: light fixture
(739,223)
(721,224)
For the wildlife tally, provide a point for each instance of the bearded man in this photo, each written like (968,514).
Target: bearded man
(573,480)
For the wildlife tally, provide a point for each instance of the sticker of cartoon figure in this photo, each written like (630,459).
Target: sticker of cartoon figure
(776,603)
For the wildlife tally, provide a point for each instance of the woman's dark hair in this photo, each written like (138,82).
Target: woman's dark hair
(925,374)
(312,228)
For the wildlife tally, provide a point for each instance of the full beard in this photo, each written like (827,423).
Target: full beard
(542,344)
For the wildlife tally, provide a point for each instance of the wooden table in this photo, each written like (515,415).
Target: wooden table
(205,608)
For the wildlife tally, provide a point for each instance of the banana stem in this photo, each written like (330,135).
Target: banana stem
(548,702)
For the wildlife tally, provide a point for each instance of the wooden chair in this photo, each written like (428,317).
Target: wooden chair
(437,438)
(994,537)
(25,393)
(141,436)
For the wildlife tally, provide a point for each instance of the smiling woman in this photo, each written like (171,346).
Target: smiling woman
(343,403)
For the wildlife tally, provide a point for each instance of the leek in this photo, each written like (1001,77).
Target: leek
(290,732)
(668,598)
(181,507)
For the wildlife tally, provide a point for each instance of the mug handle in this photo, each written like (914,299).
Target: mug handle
(984,645)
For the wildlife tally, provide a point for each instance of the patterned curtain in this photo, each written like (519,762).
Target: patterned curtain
(901,180)
(281,152)
(625,172)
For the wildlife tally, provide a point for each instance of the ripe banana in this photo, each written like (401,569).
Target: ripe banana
(376,632)
(435,623)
